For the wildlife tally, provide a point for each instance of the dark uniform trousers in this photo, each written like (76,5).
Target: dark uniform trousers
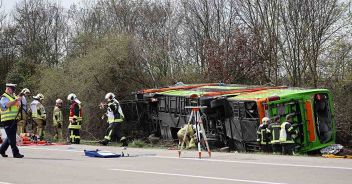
(288,148)
(10,129)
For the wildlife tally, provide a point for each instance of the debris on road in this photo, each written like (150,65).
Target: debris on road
(336,151)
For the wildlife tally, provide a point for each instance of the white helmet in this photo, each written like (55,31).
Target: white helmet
(25,91)
(39,97)
(109,96)
(71,97)
(58,101)
(265,120)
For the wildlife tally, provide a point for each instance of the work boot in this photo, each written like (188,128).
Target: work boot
(3,154)
(18,155)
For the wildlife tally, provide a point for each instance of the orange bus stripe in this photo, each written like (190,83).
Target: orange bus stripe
(309,114)
(176,88)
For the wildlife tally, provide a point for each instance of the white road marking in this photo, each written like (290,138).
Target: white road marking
(5,182)
(196,176)
(211,160)
(258,163)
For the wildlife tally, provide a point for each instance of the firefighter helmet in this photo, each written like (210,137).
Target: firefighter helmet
(58,101)
(71,97)
(25,91)
(109,96)
(39,97)
(265,120)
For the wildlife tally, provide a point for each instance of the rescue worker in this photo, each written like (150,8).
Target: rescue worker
(189,140)
(75,119)
(274,131)
(287,133)
(263,136)
(24,111)
(9,113)
(58,120)
(38,115)
(115,117)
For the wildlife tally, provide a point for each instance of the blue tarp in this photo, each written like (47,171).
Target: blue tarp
(100,154)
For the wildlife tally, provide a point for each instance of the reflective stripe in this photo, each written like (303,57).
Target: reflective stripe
(113,120)
(262,132)
(108,137)
(75,125)
(287,142)
(11,112)
(75,118)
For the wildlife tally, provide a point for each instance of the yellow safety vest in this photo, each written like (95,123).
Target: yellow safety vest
(284,137)
(11,112)
(57,113)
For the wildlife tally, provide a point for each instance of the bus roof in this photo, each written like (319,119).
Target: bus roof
(282,93)
(200,91)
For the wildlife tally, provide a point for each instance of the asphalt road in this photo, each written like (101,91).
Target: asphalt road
(67,164)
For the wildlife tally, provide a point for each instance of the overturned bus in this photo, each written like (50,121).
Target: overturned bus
(234,112)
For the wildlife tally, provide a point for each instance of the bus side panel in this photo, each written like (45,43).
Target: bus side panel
(310,121)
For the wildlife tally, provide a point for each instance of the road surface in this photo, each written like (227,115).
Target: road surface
(67,164)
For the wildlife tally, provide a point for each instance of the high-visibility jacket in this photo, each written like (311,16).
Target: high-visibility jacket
(11,112)
(190,143)
(38,110)
(262,135)
(57,116)
(114,112)
(274,131)
(286,133)
(75,116)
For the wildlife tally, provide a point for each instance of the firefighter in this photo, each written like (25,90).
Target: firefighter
(115,117)
(190,142)
(263,136)
(24,111)
(58,120)
(75,119)
(38,115)
(287,134)
(9,112)
(274,131)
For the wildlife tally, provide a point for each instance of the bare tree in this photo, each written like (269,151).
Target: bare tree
(40,27)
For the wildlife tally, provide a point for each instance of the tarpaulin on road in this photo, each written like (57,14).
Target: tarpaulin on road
(101,154)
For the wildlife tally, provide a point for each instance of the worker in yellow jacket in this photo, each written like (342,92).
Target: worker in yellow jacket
(58,120)
(38,115)
(24,111)
(189,140)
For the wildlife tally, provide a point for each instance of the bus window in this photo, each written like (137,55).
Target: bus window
(251,110)
(322,115)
